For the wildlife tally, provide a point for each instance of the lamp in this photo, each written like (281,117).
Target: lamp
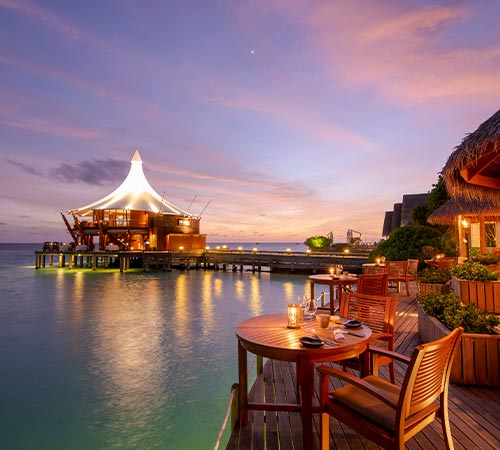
(294,315)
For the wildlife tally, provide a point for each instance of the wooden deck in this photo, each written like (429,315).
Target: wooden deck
(474,411)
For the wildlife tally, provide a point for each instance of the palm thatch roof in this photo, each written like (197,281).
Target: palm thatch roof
(473,169)
(454,207)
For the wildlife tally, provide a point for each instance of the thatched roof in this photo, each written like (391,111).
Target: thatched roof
(449,211)
(477,159)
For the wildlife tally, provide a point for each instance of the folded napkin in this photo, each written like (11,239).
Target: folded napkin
(338,335)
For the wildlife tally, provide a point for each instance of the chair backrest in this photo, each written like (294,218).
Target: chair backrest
(428,374)
(397,269)
(412,268)
(372,284)
(376,311)
(372,270)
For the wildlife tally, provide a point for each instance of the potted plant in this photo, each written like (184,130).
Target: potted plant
(474,283)
(478,359)
(433,279)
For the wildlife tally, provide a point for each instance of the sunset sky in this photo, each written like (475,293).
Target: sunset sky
(292,118)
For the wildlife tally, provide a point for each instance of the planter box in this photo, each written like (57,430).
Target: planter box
(477,360)
(425,288)
(485,296)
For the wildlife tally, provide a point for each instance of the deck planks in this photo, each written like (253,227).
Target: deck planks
(474,411)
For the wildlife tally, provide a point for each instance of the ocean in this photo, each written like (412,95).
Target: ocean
(110,360)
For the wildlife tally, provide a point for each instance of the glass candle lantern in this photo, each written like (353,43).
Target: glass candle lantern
(294,316)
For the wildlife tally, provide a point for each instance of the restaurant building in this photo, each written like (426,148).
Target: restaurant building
(134,217)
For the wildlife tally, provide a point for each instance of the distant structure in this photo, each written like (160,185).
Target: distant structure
(400,216)
(134,217)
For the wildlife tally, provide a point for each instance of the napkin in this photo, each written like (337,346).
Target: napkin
(339,336)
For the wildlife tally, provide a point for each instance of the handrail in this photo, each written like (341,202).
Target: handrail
(226,417)
(234,389)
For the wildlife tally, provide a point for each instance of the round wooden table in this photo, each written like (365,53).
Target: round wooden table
(268,336)
(332,281)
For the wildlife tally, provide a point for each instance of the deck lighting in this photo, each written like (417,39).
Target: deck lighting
(254,249)
(181,248)
(308,250)
(240,248)
(288,250)
(346,250)
(217,248)
(465,224)
(224,247)
(207,247)
(332,270)
(378,261)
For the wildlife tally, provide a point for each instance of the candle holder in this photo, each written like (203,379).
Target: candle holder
(294,313)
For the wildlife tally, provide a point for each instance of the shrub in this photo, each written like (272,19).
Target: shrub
(434,276)
(318,242)
(487,259)
(473,271)
(407,243)
(448,309)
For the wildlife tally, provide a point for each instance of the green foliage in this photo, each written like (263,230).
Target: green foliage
(434,276)
(437,196)
(448,309)
(474,271)
(487,259)
(419,215)
(407,243)
(318,242)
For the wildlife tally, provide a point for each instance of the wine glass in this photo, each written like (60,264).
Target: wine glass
(312,308)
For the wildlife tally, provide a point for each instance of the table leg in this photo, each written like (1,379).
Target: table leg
(311,292)
(305,373)
(243,384)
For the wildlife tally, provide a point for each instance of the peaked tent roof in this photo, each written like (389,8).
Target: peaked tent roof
(135,193)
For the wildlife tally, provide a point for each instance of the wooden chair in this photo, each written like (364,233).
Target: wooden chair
(412,270)
(373,270)
(379,314)
(373,284)
(390,415)
(398,273)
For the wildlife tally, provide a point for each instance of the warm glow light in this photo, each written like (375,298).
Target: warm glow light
(378,261)
(465,224)
(346,250)
(217,248)
(207,247)
(181,248)
(224,247)
(293,319)
(254,249)
(240,248)
(331,271)
(308,250)
(288,250)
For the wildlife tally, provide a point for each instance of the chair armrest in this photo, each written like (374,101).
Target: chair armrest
(358,382)
(376,336)
(393,355)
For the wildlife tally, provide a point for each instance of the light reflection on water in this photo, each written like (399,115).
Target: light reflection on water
(109,360)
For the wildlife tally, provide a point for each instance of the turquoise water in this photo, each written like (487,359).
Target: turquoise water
(110,360)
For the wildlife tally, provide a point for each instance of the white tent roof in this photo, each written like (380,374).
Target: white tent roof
(134,193)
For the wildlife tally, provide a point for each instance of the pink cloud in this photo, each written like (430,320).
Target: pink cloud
(52,21)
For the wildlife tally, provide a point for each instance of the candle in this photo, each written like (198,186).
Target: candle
(293,316)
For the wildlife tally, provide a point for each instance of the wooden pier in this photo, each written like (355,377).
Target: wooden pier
(235,260)
(474,411)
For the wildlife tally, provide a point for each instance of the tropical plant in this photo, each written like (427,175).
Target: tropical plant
(407,243)
(448,309)
(318,242)
(434,275)
(474,271)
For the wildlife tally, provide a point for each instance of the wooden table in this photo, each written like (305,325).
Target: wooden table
(332,281)
(269,337)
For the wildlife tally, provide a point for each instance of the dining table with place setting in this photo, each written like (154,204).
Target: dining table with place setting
(336,282)
(304,341)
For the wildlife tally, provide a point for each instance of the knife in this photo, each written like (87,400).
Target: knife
(352,333)
(327,341)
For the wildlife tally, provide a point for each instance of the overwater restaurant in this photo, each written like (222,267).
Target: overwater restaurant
(134,217)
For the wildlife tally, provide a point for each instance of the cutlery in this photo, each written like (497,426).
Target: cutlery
(352,333)
(326,341)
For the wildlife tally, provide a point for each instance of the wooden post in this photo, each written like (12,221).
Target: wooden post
(235,411)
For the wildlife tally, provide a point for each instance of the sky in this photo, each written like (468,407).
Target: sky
(276,120)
